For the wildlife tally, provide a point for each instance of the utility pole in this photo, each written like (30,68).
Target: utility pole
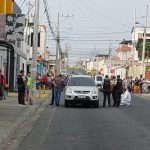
(110,64)
(144,42)
(134,47)
(58,48)
(110,49)
(35,45)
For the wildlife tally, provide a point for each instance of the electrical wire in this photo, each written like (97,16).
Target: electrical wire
(30,9)
(101,33)
(81,10)
(48,18)
(22,3)
(101,14)
(80,40)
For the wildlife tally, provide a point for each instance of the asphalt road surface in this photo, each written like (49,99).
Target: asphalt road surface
(124,128)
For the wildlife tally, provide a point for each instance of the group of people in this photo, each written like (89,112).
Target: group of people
(55,81)
(115,87)
(141,85)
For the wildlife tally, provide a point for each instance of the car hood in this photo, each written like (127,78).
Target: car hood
(81,88)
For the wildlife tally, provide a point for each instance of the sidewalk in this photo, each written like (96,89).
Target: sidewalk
(12,115)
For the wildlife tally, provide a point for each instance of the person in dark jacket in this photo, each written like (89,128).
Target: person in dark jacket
(113,84)
(21,88)
(52,89)
(118,91)
(106,90)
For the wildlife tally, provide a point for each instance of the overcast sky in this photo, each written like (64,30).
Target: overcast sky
(93,25)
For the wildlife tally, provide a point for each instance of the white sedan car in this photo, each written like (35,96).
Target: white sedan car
(81,89)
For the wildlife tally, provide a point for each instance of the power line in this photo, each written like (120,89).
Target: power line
(84,12)
(80,40)
(48,18)
(22,4)
(109,18)
(90,37)
(101,33)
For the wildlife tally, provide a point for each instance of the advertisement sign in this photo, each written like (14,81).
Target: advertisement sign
(12,27)
(15,27)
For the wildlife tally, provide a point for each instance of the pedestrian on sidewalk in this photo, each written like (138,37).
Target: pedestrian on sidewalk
(106,90)
(28,90)
(118,91)
(21,83)
(52,87)
(58,86)
(2,85)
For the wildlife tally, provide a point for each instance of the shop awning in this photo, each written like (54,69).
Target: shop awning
(11,46)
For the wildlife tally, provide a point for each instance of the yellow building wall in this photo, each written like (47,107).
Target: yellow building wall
(9,6)
(2,6)
(6,6)
(137,71)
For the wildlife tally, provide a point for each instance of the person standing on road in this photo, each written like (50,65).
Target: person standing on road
(21,82)
(113,84)
(2,84)
(136,85)
(141,83)
(106,90)
(58,85)
(125,84)
(118,91)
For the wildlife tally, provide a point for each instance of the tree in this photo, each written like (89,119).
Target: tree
(139,47)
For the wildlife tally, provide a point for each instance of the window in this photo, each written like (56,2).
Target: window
(81,81)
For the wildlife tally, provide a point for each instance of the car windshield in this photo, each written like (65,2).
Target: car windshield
(99,78)
(81,81)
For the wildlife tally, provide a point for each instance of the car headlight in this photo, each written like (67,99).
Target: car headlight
(68,91)
(95,91)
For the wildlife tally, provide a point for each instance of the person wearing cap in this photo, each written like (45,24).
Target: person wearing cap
(21,83)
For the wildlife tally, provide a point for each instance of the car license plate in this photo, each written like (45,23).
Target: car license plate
(81,96)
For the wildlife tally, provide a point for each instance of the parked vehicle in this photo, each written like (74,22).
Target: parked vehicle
(81,89)
(98,81)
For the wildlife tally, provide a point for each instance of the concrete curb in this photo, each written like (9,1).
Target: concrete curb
(27,113)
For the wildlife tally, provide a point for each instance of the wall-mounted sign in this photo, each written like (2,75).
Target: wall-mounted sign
(14,27)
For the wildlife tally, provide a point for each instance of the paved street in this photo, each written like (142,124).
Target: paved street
(124,128)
